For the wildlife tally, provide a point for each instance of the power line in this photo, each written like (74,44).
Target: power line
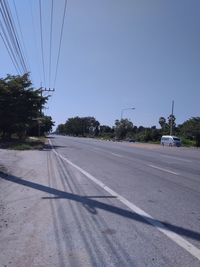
(19,49)
(15,37)
(61,35)
(8,41)
(11,39)
(41,36)
(10,54)
(50,43)
(22,37)
(36,44)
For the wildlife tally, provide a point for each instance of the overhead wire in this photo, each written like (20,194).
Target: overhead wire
(10,38)
(21,53)
(22,37)
(41,39)
(14,36)
(35,39)
(8,41)
(10,53)
(50,49)
(61,35)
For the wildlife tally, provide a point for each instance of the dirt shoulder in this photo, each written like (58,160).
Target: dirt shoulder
(25,218)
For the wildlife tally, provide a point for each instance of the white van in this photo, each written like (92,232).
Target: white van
(170,140)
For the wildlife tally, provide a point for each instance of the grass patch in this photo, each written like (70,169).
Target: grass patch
(188,143)
(28,144)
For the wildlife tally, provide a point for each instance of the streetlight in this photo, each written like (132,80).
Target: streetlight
(124,110)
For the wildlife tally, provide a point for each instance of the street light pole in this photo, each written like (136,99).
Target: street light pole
(124,110)
(171,121)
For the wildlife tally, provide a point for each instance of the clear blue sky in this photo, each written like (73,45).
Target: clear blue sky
(116,54)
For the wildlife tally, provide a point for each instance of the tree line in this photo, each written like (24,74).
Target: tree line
(124,129)
(21,108)
(21,115)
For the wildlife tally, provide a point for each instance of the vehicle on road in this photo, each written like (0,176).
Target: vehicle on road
(170,140)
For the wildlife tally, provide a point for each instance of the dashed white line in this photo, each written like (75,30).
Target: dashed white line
(116,155)
(163,169)
(173,236)
(176,158)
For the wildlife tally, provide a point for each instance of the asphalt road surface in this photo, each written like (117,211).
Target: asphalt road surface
(112,204)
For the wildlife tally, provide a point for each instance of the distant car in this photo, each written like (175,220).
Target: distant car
(131,140)
(170,140)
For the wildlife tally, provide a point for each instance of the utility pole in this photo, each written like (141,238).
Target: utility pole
(41,89)
(172,116)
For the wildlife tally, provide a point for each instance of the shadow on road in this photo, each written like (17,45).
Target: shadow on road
(50,147)
(92,205)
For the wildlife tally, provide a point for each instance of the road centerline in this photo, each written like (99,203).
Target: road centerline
(163,169)
(116,155)
(176,158)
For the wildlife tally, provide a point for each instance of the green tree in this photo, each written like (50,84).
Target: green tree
(191,129)
(61,129)
(162,122)
(122,127)
(77,126)
(41,126)
(171,122)
(106,132)
(20,105)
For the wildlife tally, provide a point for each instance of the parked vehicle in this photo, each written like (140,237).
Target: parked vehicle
(169,140)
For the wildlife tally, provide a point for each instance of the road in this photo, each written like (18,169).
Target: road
(114,204)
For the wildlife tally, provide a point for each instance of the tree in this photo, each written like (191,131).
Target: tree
(20,105)
(61,129)
(41,126)
(191,128)
(162,122)
(171,122)
(122,127)
(105,129)
(76,126)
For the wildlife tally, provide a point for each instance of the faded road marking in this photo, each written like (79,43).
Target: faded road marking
(116,155)
(162,169)
(176,158)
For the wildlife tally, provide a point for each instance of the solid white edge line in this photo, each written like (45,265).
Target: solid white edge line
(173,236)
(162,169)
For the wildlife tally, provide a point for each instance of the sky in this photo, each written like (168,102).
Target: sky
(115,55)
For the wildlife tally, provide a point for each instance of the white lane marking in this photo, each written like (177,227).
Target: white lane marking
(162,169)
(117,155)
(173,236)
(102,150)
(171,157)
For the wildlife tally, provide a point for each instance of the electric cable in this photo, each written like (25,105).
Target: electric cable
(10,54)
(15,36)
(11,39)
(61,35)
(7,40)
(22,37)
(41,38)
(35,39)
(50,49)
